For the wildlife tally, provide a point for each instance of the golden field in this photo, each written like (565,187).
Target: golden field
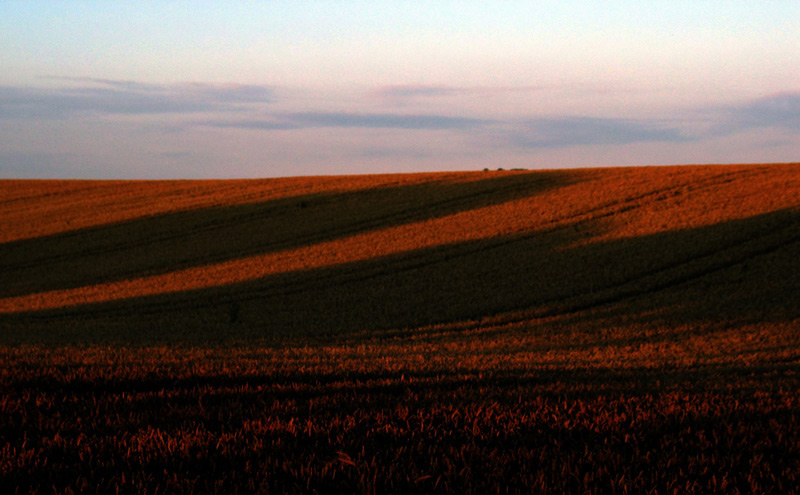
(620,330)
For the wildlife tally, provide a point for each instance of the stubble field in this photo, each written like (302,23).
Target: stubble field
(621,330)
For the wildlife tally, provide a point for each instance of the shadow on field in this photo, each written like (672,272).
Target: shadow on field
(162,400)
(176,241)
(743,270)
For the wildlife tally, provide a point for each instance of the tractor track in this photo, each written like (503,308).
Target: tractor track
(374,223)
(199,299)
(219,227)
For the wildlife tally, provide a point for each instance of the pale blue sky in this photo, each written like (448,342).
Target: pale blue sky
(245,89)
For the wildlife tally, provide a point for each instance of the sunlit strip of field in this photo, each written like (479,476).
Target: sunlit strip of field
(609,204)
(34,208)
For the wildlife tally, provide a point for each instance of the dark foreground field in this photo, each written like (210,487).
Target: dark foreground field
(587,331)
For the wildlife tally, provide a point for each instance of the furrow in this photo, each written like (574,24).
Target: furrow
(675,274)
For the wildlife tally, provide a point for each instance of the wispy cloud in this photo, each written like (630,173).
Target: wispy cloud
(781,110)
(114,83)
(415,91)
(105,96)
(256,124)
(305,120)
(530,134)
(384,120)
(412,91)
(564,132)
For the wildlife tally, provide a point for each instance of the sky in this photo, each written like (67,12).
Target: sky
(215,89)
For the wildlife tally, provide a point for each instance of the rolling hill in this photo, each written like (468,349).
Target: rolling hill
(322,256)
(618,330)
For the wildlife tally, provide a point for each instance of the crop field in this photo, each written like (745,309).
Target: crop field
(600,331)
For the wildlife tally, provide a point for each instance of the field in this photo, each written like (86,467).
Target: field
(620,330)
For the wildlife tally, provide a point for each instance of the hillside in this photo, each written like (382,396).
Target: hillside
(595,331)
(322,256)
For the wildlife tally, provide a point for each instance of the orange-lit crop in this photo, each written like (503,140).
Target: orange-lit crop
(631,330)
